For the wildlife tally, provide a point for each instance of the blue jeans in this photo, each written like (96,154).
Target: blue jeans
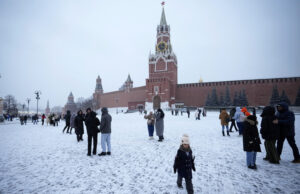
(223,126)
(250,158)
(105,140)
(150,130)
(241,127)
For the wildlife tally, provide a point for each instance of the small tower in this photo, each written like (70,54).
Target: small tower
(99,88)
(71,106)
(97,94)
(128,84)
(47,110)
(71,98)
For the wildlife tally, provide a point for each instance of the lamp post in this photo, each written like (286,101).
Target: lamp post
(28,101)
(37,93)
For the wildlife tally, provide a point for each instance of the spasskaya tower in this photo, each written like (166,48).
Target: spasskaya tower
(162,81)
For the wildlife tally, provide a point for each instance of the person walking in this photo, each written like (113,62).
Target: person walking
(188,112)
(184,164)
(239,117)
(78,122)
(270,133)
(159,124)
(43,119)
(286,123)
(67,119)
(232,120)
(105,129)
(92,123)
(251,141)
(72,122)
(224,117)
(150,124)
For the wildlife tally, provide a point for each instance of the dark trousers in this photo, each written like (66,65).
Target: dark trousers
(241,127)
(292,143)
(150,130)
(79,137)
(232,125)
(42,121)
(188,184)
(94,137)
(67,127)
(271,151)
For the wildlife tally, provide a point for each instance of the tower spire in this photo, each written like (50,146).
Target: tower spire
(163,20)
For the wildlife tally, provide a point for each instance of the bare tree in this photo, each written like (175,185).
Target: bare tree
(10,105)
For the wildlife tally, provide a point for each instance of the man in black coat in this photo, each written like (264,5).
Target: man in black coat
(92,123)
(67,119)
(286,122)
(79,125)
(270,132)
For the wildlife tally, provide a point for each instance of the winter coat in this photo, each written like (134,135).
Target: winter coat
(286,121)
(238,115)
(79,124)
(92,123)
(184,163)
(159,124)
(72,121)
(224,117)
(232,112)
(251,139)
(150,119)
(105,126)
(68,117)
(269,130)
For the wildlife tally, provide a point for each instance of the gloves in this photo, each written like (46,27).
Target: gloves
(193,167)
(174,170)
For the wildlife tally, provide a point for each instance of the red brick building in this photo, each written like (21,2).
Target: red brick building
(162,89)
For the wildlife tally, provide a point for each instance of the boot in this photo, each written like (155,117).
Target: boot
(228,133)
(102,154)
(223,133)
(296,160)
(108,153)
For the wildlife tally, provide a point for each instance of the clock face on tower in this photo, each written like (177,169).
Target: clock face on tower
(162,46)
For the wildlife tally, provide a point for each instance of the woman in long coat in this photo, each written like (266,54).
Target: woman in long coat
(79,119)
(159,124)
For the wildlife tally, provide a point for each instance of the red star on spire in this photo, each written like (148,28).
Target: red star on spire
(162,3)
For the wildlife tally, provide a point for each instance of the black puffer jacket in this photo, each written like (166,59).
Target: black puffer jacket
(286,121)
(68,117)
(92,123)
(251,139)
(269,130)
(79,123)
(184,163)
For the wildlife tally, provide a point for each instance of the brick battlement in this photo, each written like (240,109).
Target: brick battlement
(156,80)
(241,82)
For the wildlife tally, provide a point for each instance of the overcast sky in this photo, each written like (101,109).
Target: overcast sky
(61,46)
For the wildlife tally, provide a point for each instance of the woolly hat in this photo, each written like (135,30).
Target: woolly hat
(185,139)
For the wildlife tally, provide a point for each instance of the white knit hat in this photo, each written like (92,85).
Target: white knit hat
(185,139)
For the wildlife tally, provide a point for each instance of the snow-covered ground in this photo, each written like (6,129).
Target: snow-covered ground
(36,159)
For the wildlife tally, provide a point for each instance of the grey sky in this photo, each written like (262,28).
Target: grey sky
(61,46)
